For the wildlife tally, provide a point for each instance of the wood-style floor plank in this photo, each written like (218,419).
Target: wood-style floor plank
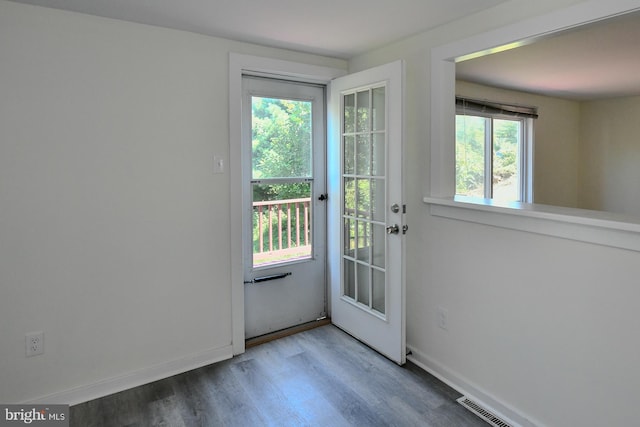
(320,377)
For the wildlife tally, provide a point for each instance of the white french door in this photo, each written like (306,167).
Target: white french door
(366,223)
(284,208)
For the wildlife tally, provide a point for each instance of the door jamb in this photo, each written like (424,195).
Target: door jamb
(240,64)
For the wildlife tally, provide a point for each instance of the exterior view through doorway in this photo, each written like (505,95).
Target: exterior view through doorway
(362,265)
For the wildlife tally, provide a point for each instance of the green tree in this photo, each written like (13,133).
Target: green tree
(281,146)
(505,149)
(470,135)
(470,152)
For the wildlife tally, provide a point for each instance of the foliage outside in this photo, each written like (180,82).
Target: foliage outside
(470,156)
(281,148)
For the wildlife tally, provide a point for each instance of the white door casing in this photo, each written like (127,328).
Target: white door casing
(240,64)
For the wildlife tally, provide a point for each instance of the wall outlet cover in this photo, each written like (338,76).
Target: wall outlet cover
(35,343)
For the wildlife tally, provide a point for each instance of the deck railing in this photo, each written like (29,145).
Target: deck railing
(281,230)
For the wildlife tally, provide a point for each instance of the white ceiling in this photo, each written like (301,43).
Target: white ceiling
(339,28)
(597,61)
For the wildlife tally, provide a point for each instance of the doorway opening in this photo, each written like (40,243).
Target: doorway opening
(284,214)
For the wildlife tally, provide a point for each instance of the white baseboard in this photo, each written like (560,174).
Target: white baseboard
(136,378)
(473,391)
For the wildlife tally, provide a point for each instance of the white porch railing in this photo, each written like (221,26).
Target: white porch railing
(281,230)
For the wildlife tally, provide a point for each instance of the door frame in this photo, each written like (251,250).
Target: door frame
(240,64)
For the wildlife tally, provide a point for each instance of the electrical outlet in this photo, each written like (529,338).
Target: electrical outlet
(442,315)
(35,343)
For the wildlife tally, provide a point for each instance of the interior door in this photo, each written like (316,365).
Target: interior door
(367,220)
(284,216)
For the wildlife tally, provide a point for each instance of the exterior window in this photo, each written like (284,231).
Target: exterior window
(281,179)
(493,154)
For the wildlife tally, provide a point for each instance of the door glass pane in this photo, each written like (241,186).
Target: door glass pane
(364,241)
(281,138)
(363,119)
(378,155)
(470,139)
(350,196)
(350,279)
(363,284)
(350,113)
(363,198)
(349,155)
(377,200)
(281,222)
(378,111)
(363,155)
(349,237)
(378,236)
(378,289)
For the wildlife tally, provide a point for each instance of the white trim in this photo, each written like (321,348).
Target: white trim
(239,64)
(554,221)
(488,157)
(136,378)
(471,390)
(527,163)
(602,228)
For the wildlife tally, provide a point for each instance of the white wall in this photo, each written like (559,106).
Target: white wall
(610,155)
(114,232)
(557,137)
(544,326)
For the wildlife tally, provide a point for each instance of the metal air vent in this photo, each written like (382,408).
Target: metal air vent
(483,413)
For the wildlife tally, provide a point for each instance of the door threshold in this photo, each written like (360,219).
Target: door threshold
(252,342)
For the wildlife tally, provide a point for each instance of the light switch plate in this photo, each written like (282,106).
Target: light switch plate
(218,164)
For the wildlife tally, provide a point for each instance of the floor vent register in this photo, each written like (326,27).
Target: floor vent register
(483,413)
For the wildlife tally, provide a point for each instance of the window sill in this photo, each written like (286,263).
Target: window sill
(602,228)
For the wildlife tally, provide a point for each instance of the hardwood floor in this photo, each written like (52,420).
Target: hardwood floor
(320,377)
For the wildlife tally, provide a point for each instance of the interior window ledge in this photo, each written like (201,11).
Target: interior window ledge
(602,228)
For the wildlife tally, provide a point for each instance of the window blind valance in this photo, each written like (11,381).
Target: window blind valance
(490,107)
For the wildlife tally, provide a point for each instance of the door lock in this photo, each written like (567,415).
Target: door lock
(395,208)
(393,229)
